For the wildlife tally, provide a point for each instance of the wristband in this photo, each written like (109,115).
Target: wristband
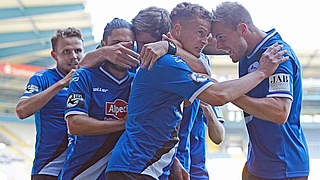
(172,48)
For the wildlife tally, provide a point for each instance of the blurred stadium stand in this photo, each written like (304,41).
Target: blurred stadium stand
(26,27)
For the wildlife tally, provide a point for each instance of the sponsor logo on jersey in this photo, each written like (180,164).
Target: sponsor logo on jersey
(196,78)
(97,89)
(32,89)
(117,109)
(279,82)
(74,79)
(253,67)
(75,100)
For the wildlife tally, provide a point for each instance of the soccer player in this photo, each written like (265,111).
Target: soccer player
(45,96)
(96,108)
(146,149)
(277,148)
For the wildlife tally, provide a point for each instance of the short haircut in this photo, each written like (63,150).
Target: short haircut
(153,20)
(65,33)
(232,13)
(187,11)
(116,23)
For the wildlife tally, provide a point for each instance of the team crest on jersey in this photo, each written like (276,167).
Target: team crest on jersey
(196,78)
(32,89)
(75,100)
(117,109)
(253,67)
(279,82)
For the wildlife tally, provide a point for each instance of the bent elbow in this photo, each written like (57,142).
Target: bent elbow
(282,119)
(72,127)
(216,139)
(72,130)
(20,113)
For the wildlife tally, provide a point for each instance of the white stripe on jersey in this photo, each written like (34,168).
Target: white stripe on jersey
(54,167)
(156,169)
(196,94)
(94,171)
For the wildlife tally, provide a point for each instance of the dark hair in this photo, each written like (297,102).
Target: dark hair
(153,20)
(116,23)
(232,13)
(65,33)
(187,11)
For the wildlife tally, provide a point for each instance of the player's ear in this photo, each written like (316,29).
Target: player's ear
(54,55)
(242,28)
(176,31)
(103,43)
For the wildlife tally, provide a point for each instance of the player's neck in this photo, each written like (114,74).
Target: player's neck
(117,73)
(255,37)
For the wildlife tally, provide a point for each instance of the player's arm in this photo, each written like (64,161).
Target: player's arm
(28,106)
(151,52)
(274,109)
(178,170)
(119,54)
(79,124)
(221,93)
(211,47)
(216,129)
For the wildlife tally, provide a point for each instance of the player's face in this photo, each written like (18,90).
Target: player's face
(68,53)
(230,40)
(194,35)
(120,35)
(117,36)
(143,38)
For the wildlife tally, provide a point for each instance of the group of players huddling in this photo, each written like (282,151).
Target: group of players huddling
(138,106)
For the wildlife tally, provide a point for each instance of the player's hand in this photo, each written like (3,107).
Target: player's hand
(120,54)
(170,38)
(271,59)
(151,52)
(66,80)
(179,172)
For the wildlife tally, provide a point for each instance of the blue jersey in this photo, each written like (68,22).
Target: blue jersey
(188,118)
(276,151)
(51,128)
(149,142)
(96,93)
(198,170)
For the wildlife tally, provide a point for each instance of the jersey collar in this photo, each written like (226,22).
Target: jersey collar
(60,73)
(118,81)
(265,39)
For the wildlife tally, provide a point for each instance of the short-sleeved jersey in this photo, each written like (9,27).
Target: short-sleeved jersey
(51,128)
(149,142)
(96,93)
(198,170)
(276,151)
(188,118)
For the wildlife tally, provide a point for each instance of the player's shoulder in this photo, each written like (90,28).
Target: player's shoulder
(44,72)
(169,60)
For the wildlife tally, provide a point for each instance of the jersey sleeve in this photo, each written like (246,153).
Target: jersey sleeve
(218,113)
(78,94)
(178,78)
(206,63)
(280,84)
(34,86)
